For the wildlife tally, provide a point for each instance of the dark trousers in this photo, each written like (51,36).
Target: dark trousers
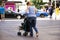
(32,24)
(51,15)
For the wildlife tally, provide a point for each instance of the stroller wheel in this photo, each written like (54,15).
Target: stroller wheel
(25,34)
(19,33)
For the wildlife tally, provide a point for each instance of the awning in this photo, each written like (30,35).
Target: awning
(12,3)
(9,3)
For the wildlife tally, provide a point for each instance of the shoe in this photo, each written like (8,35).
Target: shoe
(36,34)
(31,35)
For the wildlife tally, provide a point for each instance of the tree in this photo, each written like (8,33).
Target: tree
(37,3)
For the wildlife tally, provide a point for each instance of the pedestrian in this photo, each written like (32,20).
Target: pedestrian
(32,18)
(18,10)
(50,11)
(2,11)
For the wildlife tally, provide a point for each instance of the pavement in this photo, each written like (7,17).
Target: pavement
(54,17)
(38,18)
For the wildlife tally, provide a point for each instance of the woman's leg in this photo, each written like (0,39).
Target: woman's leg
(34,26)
(31,31)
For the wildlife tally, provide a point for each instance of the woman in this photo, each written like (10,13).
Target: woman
(32,18)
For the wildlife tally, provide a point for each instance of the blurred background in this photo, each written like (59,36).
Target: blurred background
(16,8)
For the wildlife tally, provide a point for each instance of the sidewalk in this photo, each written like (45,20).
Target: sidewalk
(54,17)
(38,18)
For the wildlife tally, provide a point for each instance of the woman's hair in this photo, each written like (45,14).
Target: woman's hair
(27,3)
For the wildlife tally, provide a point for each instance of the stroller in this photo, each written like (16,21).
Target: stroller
(25,27)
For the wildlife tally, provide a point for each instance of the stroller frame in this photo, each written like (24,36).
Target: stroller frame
(24,26)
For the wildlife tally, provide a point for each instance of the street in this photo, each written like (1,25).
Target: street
(48,30)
